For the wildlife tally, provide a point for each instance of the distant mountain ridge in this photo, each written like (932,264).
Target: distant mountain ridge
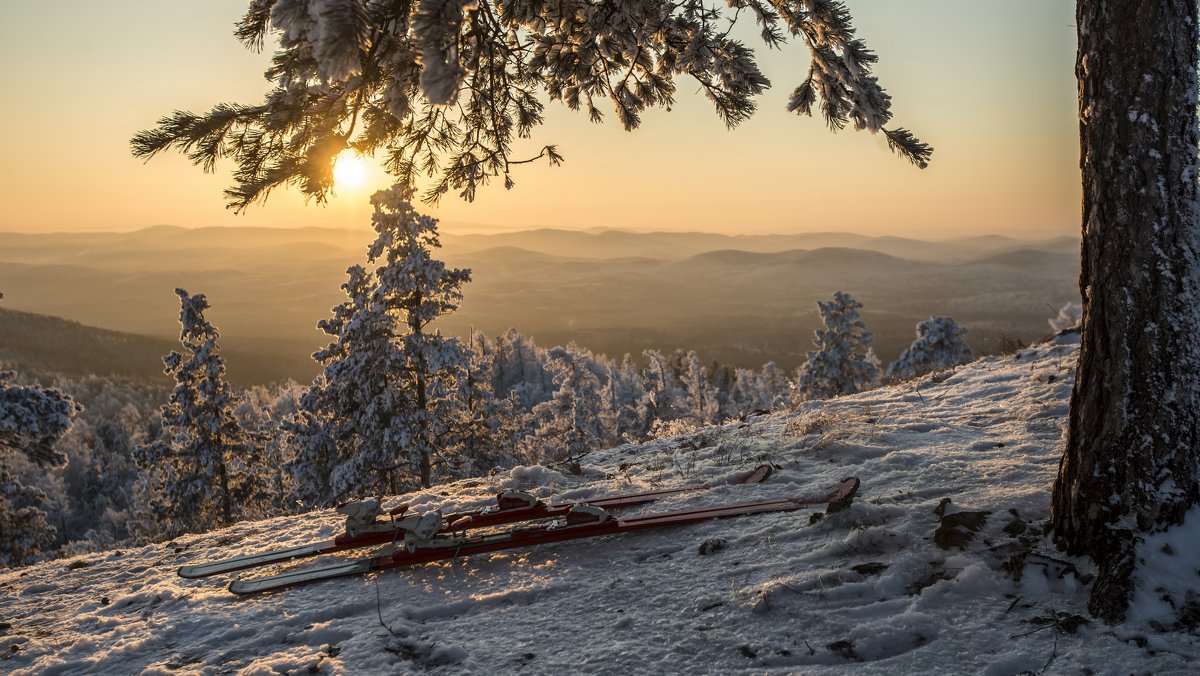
(674,245)
(740,299)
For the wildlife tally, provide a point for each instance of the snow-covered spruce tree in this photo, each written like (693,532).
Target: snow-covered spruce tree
(699,395)
(569,424)
(844,362)
(520,369)
(325,430)
(443,87)
(373,420)
(32,420)
(200,472)
(1132,462)
(758,390)
(482,433)
(663,389)
(264,412)
(624,391)
(939,345)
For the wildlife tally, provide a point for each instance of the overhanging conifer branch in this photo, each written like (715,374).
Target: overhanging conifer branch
(358,74)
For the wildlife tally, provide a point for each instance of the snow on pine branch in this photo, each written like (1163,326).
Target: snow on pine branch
(443,88)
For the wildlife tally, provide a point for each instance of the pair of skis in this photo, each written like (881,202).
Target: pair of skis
(432,537)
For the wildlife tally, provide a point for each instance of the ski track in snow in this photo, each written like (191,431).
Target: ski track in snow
(863,590)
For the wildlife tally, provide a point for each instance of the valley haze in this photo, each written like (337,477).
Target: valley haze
(740,299)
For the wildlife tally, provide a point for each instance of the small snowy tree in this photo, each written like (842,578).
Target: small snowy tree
(699,396)
(758,390)
(624,391)
(520,370)
(569,424)
(373,420)
(481,435)
(200,472)
(844,362)
(939,345)
(32,420)
(663,389)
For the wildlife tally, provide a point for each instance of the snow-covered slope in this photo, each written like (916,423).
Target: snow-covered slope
(864,590)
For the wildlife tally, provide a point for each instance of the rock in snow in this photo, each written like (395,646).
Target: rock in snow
(864,590)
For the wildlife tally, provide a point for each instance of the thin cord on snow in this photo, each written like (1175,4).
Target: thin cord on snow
(379,607)
(1053,654)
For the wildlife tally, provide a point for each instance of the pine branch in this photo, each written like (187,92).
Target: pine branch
(348,70)
(902,142)
(251,31)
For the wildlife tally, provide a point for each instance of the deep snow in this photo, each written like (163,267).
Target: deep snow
(864,590)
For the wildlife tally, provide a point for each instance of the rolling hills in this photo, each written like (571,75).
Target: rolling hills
(738,299)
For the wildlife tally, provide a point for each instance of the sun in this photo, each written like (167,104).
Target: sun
(349,171)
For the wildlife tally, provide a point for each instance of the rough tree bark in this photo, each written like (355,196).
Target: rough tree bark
(1132,460)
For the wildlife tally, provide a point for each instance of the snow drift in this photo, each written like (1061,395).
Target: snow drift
(903,581)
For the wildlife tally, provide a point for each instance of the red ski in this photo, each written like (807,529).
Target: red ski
(367,525)
(582,521)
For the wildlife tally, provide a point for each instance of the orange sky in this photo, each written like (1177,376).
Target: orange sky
(989,84)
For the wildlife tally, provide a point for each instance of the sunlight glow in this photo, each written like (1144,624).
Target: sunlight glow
(349,171)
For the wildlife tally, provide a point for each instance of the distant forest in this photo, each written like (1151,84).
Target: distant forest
(740,301)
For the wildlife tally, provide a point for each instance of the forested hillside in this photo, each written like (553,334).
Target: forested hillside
(36,343)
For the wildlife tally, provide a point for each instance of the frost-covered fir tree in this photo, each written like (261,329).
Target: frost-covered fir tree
(32,421)
(202,470)
(844,362)
(758,390)
(483,431)
(939,345)
(699,396)
(264,413)
(663,389)
(375,419)
(624,391)
(520,369)
(445,86)
(569,424)
(326,430)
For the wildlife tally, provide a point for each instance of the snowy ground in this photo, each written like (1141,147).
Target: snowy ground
(865,590)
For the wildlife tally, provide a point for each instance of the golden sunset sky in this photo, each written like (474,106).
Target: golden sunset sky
(989,84)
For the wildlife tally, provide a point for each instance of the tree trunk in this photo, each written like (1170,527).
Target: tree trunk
(1133,446)
(226,498)
(425,441)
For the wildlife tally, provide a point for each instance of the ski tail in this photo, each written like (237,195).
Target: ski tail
(255,560)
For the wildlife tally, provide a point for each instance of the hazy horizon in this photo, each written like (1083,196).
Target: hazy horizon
(740,300)
(462,228)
